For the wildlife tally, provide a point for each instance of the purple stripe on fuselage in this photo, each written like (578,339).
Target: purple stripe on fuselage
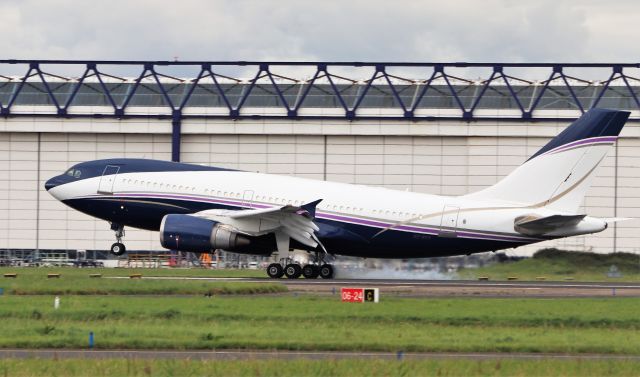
(424,230)
(493,237)
(411,228)
(356,220)
(328,216)
(195,198)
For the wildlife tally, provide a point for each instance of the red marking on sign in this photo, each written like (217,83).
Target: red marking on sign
(352,294)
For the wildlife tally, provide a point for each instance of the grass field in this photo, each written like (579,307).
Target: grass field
(76,281)
(559,265)
(187,272)
(323,323)
(373,368)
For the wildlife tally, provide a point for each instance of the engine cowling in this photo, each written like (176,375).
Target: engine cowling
(190,233)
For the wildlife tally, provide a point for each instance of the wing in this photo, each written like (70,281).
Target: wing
(286,222)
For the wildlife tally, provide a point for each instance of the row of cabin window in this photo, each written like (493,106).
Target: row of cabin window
(227,194)
(158,185)
(270,199)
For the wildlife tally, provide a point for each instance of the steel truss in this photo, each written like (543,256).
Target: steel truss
(437,77)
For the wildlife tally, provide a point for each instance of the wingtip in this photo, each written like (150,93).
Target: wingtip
(310,207)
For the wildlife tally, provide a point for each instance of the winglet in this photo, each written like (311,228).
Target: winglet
(310,208)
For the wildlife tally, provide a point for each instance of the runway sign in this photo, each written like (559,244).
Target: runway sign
(360,294)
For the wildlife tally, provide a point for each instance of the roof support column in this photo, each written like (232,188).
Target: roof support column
(176,135)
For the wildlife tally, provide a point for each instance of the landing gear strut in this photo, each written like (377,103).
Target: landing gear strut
(293,270)
(118,247)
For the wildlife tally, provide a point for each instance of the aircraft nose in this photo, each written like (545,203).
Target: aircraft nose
(51,183)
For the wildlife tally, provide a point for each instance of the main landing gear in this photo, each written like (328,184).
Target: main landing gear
(292,270)
(118,247)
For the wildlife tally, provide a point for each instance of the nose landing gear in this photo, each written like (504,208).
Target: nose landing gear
(118,247)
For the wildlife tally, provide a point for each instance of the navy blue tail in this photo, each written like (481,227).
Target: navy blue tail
(592,124)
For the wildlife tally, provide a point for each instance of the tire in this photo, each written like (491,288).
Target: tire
(118,249)
(310,271)
(275,271)
(293,271)
(326,271)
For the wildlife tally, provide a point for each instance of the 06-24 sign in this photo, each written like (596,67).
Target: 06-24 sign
(359,294)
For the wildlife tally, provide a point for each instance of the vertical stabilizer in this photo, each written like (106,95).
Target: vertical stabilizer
(559,174)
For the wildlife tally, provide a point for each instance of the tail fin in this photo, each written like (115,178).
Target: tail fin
(559,174)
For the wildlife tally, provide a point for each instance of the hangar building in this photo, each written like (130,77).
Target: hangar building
(445,129)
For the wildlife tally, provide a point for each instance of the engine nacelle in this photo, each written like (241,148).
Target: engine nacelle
(190,233)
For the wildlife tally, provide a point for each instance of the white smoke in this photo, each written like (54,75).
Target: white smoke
(387,271)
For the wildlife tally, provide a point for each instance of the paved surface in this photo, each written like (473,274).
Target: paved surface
(443,288)
(285,355)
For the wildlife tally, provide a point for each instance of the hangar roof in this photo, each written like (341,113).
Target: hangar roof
(384,90)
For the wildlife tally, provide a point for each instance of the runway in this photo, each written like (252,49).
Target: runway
(289,355)
(446,288)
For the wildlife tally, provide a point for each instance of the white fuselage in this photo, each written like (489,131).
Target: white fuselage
(383,209)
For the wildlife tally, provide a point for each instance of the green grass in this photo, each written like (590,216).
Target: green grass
(323,323)
(558,265)
(76,281)
(300,367)
(184,272)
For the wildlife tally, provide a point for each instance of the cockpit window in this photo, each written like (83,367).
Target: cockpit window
(75,173)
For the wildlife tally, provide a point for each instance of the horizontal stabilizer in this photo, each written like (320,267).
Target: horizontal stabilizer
(536,226)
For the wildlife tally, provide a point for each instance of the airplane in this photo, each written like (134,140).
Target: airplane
(200,208)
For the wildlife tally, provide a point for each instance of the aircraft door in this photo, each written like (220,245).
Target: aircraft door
(247,199)
(449,221)
(108,179)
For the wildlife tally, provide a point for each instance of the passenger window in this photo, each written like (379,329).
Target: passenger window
(77,174)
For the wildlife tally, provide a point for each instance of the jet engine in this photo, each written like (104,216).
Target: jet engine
(190,233)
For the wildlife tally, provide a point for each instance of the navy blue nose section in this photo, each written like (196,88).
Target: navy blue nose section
(48,185)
